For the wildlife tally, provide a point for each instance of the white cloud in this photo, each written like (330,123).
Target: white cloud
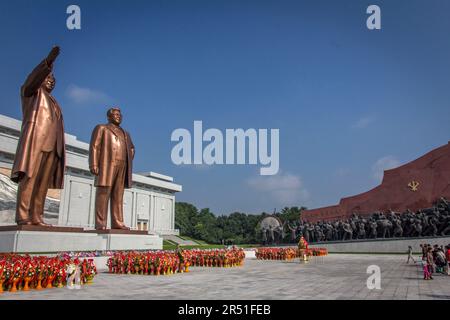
(86,96)
(286,189)
(363,122)
(385,163)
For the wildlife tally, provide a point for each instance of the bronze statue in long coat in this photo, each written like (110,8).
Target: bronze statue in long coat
(111,161)
(39,163)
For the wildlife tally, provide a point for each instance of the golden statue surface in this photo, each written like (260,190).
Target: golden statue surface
(111,155)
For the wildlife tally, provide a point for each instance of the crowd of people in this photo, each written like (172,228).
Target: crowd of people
(435,259)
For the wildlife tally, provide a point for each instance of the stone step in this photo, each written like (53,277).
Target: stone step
(179,240)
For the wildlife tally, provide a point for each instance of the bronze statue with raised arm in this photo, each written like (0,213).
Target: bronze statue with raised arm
(40,157)
(110,160)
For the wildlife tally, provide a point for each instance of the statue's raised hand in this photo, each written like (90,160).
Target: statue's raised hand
(54,53)
(94,170)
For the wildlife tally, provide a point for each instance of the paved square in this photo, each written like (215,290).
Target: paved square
(337,276)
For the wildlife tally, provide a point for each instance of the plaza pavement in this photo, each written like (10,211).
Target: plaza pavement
(337,276)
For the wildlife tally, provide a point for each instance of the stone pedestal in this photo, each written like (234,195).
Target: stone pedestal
(32,239)
(131,242)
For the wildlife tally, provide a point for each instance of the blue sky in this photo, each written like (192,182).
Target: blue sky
(349,102)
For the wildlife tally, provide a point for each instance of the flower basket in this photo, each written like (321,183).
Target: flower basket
(90,279)
(14,285)
(39,284)
(26,283)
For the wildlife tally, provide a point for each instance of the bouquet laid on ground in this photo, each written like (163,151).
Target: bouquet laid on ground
(26,272)
(88,271)
(287,253)
(170,262)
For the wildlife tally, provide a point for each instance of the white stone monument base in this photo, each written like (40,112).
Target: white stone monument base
(132,242)
(23,241)
(388,245)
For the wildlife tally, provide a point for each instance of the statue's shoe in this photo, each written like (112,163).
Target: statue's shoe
(24,223)
(101,228)
(122,228)
(42,224)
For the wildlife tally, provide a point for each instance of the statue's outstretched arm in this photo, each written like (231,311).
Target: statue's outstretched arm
(38,75)
(35,79)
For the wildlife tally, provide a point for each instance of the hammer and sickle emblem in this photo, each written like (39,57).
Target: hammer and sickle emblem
(413,185)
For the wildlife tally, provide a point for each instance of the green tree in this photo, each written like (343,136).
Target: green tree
(185,216)
(291,214)
(237,227)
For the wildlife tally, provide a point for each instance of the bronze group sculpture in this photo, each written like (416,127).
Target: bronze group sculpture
(40,158)
(110,160)
(430,222)
(39,163)
(272,230)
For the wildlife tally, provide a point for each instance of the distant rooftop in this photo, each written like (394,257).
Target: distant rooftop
(156,176)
